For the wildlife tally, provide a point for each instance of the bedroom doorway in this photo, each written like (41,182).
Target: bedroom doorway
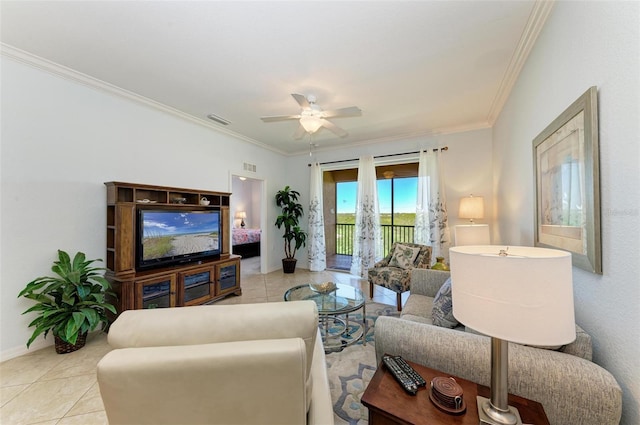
(247,221)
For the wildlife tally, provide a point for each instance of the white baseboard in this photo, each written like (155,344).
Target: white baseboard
(22,349)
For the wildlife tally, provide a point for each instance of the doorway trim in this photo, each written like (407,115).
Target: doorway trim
(262,189)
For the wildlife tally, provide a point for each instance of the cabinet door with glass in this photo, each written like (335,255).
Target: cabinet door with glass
(197,285)
(228,277)
(157,292)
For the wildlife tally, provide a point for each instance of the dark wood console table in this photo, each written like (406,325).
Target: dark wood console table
(389,404)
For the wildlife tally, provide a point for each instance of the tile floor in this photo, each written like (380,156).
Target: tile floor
(61,389)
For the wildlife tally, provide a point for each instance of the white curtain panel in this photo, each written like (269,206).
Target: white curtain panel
(315,242)
(367,240)
(432,225)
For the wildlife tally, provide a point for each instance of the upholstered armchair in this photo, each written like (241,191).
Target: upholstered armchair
(394,271)
(217,364)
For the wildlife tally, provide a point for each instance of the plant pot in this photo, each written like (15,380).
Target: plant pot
(63,347)
(289,265)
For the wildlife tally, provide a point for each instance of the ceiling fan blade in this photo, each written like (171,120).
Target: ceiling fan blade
(302,100)
(351,111)
(300,132)
(280,118)
(334,128)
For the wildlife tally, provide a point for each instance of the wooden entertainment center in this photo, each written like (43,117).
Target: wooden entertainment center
(178,285)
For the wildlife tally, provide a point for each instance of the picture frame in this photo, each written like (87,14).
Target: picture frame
(567,184)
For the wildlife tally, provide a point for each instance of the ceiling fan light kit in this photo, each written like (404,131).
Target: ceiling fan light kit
(312,117)
(310,123)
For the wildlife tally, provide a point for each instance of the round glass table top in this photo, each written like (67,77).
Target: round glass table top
(344,299)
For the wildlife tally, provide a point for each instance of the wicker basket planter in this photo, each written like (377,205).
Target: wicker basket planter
(289,265)
(63,347)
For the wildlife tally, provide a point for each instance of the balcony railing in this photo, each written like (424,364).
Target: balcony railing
(390,234)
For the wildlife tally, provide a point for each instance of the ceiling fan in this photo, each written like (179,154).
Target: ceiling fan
(312,117)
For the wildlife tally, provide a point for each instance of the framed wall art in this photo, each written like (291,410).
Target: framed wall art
(567,184)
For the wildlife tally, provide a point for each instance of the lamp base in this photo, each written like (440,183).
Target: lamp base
(489,415)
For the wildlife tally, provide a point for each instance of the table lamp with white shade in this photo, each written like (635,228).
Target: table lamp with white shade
(471,208)
(518,294)
(241,215)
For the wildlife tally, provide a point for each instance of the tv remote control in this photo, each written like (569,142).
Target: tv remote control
(420,382)
(403,379)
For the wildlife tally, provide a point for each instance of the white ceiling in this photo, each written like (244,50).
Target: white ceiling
(413,67)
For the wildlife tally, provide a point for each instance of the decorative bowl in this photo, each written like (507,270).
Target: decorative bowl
(179,200)
(324,287)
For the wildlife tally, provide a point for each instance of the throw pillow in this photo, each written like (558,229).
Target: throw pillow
(403,256)
(442,312)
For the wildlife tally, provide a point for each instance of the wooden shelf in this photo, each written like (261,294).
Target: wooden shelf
(118,192)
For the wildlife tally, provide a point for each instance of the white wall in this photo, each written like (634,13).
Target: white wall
(467,168)
(585,44)
(246,197)
(60,142)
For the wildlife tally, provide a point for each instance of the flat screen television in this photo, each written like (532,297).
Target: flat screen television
(170,236)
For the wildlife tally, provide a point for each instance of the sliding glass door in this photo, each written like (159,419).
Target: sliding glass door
(397,199)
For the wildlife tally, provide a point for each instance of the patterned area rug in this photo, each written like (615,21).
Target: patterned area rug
(351,369)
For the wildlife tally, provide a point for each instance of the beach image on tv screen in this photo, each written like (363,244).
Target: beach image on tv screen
(168,234)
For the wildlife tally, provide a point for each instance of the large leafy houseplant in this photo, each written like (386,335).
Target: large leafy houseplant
(71,303)
(291,211)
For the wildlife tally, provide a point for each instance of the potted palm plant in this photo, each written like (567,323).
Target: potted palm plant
(294,237)
(70,304)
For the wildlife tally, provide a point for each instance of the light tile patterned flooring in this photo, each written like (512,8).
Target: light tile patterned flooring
(61,389)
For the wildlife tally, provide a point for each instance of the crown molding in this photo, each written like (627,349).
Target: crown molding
(62,71)
(538,17)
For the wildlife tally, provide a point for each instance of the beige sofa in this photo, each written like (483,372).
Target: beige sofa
(571,388)
(229,364)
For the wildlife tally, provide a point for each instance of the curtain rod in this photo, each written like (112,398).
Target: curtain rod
(446,148)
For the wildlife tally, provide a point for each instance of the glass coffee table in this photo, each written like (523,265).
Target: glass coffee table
(336,328)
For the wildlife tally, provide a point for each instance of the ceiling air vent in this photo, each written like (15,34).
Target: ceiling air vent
(219,120)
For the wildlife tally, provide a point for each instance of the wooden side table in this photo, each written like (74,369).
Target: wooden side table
(389,404)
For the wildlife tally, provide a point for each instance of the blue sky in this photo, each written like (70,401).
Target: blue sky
(405,193)
(174,223)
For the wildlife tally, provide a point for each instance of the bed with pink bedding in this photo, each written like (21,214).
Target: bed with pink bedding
(246,242)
